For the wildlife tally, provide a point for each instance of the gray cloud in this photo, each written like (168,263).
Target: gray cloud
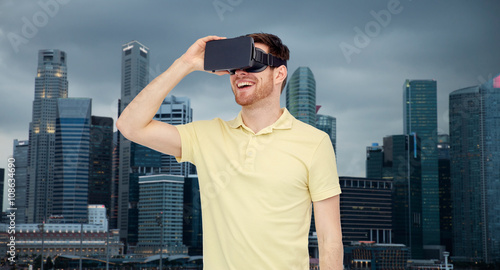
(453,42)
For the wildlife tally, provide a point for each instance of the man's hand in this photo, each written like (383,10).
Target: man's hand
(195,55)
(136,121)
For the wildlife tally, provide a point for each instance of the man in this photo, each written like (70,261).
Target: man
(258,173)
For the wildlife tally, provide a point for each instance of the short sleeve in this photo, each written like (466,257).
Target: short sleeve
(323,175)
(188,142)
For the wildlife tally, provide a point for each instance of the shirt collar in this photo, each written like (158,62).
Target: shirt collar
(284,122)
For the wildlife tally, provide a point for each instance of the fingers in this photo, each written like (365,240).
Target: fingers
(202,42)
(210,38)
(222,72)
(194,56)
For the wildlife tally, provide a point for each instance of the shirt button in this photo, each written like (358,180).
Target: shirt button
(250,153)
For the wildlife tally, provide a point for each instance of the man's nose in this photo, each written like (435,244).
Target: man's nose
(240,72)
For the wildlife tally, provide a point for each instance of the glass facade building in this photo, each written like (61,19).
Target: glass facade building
(301,95)
(101,161)
(50,84)
(420,117)
(403,154)
(399,162)
(143,161)
(366,210)
(21,149)
(72,156)
(175,111)
(2,183)
(475,174)
(445,203)
(161,200)
(374,161)
(192,227)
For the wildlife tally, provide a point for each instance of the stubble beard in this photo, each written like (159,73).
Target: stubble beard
(261,92)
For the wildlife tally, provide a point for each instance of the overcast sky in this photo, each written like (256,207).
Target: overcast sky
(360,52)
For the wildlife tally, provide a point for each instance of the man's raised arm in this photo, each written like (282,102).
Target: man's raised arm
(136,121)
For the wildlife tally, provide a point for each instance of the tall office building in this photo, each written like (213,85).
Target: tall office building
(403,152)
(20,154)
(72,155)
(400,162)
(374,161)
(366,210)
(115,186)
(301,95)
(50,84)
(2,183)
(445,203)
(143,161)
(420,117)
(475,159)
(175,111)
(115,180)
(135,76)
(161,208)
(192,233)
(101,161)
(328,124)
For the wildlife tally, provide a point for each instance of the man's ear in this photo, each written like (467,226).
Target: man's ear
(280,74)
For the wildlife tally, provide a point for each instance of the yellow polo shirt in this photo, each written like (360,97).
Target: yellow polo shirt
(257,189)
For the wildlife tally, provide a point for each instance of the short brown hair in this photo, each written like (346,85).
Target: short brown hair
(276,47)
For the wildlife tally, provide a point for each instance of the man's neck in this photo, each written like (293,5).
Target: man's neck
(257,118)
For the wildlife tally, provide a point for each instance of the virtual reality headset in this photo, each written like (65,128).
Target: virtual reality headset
(238,53)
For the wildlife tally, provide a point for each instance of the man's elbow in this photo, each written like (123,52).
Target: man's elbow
(124,128)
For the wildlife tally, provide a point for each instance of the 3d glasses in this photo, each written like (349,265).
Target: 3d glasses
(238,53)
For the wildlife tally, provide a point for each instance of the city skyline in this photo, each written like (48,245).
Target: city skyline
(361,87)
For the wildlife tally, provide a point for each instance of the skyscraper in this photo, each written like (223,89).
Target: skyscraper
(445,203)
(301,95)
(2,183)
(420,117)
(50,84)
(399,161)
(475,159)
(101,161)
(115,186)
(143,161)
(72,155)
(20,154)
(374,161)
(135,76)
(403,154)
(161,201)
(175,111)
(192,233)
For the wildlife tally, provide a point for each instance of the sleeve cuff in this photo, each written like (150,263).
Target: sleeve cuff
(326,194)
(184,147)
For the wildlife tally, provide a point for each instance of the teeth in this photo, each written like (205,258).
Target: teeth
(241,84)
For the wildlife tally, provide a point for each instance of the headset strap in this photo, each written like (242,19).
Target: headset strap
(268,59)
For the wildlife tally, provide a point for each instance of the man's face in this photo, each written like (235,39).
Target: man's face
(249,88)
